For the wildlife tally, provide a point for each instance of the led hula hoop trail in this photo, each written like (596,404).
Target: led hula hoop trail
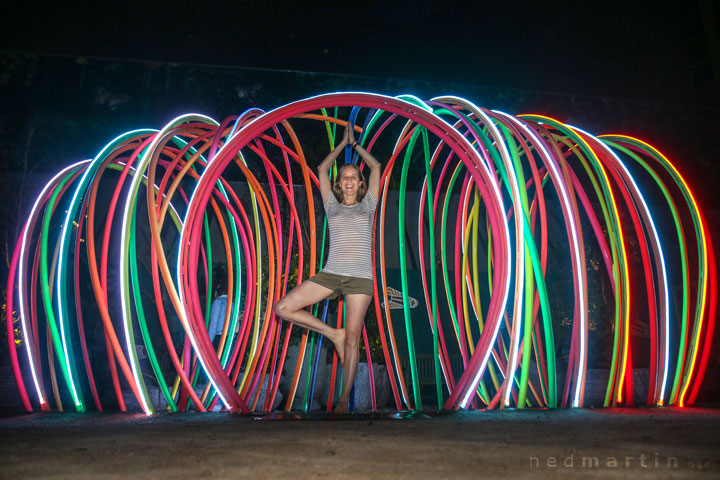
(118,256)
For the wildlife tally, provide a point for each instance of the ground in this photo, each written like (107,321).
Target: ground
(626,443)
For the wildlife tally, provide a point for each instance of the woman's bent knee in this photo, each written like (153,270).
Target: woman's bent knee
(281,308)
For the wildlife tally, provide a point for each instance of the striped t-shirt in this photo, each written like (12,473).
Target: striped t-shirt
(351,228)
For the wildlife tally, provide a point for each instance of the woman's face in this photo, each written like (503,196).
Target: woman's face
(349,181)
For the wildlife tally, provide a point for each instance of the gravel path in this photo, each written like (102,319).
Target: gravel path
(626,443)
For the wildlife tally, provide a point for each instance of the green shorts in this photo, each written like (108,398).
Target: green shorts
(341,285)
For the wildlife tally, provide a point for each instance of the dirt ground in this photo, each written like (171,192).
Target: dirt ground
(625,443)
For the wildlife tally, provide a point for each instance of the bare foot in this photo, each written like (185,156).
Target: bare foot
(341,408)
(339,343)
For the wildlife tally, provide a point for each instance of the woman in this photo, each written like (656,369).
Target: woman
(350,208)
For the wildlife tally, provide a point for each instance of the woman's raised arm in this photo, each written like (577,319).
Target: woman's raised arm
(324,167)
(370,161)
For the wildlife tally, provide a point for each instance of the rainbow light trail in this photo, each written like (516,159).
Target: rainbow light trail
(616,194)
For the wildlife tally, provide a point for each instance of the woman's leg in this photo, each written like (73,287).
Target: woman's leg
(356,306)
(291,308)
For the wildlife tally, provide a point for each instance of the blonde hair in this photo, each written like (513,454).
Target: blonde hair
(362,185)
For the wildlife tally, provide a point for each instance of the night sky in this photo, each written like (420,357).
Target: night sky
(640,50)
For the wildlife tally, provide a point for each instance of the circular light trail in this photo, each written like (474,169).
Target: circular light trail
(507,204)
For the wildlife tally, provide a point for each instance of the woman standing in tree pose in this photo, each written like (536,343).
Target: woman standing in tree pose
(350,208)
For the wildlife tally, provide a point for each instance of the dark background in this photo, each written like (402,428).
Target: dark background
(649,50)
(74,76)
